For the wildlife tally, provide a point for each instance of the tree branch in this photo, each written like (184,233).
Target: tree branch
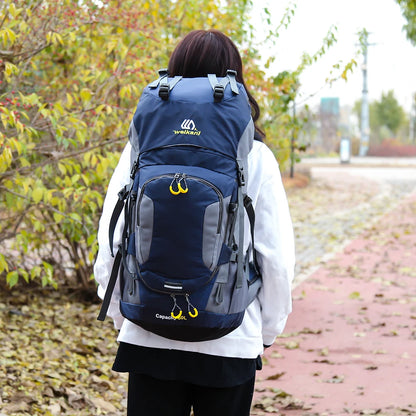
(57,157)
(65,215)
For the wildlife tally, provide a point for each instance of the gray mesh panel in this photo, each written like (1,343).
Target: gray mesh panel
(134,138)
(144,231)
(211,241)
(220,297)
(131,289)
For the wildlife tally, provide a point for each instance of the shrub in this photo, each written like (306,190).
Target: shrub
(392,148)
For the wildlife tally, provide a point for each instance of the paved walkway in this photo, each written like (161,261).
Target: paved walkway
(360,161)
(339,204)
(351,340)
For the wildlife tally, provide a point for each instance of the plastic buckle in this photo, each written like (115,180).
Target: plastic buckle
(134,169)
(123,193)
(240,176)
(232,207)
(164,91)
(247,200)
(218,93)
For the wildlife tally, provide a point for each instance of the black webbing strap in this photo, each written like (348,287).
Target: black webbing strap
(240,253)
(248,205)
(110,287)
(115,216)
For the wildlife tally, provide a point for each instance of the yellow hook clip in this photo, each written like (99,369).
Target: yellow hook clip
(175,306)
(178,178)
(174,192)
(178,316)
(194,314)
(181,190)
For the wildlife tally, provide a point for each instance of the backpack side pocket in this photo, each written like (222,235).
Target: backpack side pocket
(144,228)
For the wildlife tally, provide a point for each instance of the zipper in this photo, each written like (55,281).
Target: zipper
(184,176)
(217,191)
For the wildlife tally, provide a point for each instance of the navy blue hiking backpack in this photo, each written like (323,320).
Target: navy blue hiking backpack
(182,268)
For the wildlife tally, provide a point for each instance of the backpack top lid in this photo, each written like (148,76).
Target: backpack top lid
(190,116)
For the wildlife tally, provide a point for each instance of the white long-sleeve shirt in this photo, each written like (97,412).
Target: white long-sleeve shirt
(266,316)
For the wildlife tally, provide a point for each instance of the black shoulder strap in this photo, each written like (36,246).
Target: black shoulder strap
(110,287)
(116,214)
(248,205)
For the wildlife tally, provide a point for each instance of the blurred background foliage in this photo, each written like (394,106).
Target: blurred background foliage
(70,77)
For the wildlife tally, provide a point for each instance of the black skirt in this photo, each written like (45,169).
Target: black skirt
(189,367)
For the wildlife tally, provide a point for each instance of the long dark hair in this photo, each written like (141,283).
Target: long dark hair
(203,52)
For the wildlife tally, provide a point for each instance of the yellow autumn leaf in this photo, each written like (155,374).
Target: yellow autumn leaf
(3,264)
(85,94)
(100,108)
(12,10)
(58,217)
(37,195)
(124,91)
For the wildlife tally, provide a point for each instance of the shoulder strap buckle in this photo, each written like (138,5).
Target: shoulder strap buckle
(219,86)
(240,175)
(218,93)
(164,91)
(123,193)
(134,168)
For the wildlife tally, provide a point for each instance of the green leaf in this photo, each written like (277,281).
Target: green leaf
(3,264)
(58,217)
(91,239)
(12,278)
(37,195)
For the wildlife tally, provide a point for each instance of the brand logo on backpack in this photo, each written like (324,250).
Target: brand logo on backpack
(188,127)
(188,124)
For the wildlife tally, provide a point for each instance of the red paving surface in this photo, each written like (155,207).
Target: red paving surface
(351,339)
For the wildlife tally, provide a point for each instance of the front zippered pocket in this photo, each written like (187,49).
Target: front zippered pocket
(179,222)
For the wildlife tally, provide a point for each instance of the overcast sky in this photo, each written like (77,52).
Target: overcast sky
(391,61)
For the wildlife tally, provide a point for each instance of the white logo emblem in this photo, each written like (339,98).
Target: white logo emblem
(188,124)
(188,127)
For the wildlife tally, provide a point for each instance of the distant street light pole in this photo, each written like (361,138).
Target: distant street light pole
(365,117)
